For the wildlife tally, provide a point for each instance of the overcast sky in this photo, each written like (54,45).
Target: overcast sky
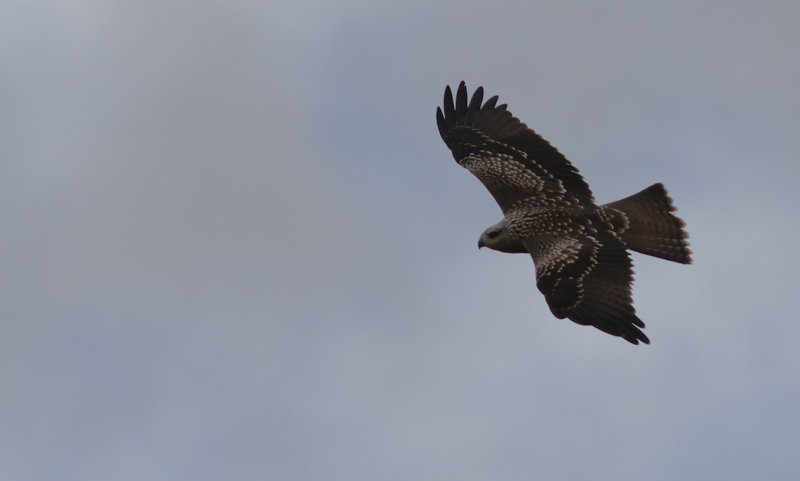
(234,246)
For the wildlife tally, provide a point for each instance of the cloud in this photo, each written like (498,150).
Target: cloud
(235,245)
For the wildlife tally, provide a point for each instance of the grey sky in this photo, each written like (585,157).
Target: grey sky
(235,247)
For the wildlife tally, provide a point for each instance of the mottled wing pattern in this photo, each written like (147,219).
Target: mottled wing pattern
(510,159)
(587,278)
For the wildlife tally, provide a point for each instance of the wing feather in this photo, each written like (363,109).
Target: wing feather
(510,159)
(475,103)
(587,279)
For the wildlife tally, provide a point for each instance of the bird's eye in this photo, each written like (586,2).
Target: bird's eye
(493,234)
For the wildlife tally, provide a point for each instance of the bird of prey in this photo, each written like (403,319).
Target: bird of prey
(579,248)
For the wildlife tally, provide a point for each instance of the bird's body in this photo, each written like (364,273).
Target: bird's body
(579,248)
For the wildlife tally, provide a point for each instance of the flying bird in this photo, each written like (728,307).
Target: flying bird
(579,249)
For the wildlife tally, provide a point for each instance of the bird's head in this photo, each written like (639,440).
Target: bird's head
(499,238)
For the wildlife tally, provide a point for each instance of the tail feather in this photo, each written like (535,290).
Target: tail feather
(647,224)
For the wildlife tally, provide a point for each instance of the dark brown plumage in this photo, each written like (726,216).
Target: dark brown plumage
(579,249)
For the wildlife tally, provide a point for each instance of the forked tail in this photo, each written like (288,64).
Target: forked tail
(648,225)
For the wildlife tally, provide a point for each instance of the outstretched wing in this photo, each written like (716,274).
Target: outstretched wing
(510,159)
(587,278)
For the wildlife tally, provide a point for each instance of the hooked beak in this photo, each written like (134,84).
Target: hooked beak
(481,243)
